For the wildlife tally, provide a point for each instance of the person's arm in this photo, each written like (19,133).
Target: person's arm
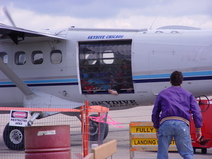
(197,116)
(155,113)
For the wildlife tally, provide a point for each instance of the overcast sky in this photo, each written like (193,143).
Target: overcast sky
(129,14)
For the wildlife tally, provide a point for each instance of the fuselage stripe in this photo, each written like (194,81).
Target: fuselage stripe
(188,76)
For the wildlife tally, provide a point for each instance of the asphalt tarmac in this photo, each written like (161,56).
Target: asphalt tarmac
(120,132)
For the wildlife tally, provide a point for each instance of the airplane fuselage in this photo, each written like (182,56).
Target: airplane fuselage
(68,68)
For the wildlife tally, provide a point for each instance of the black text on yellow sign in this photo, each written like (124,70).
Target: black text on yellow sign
(143,129)
(135,142)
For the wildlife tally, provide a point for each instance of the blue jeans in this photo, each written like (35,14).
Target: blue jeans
(181,133)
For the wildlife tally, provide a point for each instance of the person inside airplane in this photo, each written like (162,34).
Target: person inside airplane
(123,83)
(113,86)
(85,70)
(85,74)
(99,78)
(93,78)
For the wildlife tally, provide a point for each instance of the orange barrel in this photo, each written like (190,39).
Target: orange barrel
(47,142)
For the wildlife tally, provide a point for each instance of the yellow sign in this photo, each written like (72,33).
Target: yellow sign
(143,138)
(147,141)
(143,129)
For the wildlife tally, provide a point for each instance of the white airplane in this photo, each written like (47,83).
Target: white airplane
(117,68)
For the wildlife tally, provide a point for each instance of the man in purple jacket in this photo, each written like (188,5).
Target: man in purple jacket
(171,116)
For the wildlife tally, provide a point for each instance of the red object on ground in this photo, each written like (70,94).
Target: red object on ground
(206,140)
(47,142)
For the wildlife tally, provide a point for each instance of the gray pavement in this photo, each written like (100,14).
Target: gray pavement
(124,117)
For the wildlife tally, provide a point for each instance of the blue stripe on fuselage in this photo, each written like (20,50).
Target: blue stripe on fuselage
(203,75)
(53,82)
(188,76)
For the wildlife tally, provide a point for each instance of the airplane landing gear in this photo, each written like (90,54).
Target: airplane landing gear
(94,128)
(14,137)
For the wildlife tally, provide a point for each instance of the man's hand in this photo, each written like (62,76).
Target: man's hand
(198,135)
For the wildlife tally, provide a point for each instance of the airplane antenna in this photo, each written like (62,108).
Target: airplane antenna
(153,23)
(9,16)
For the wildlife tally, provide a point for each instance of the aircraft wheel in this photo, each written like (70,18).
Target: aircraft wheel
(202,97)
(204,150)
(94,130)
(14,137)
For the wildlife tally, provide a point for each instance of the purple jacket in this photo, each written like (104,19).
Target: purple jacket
(178,104)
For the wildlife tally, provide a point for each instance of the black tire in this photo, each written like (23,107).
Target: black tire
(204,150)
(194,150)
(94,130)
(200,98)
(14,137)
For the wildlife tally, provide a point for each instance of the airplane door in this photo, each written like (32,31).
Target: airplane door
(105,65)
(162,64)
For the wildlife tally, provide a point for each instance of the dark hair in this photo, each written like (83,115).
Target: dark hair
(176,78)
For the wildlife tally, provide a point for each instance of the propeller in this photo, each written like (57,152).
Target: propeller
(8,16)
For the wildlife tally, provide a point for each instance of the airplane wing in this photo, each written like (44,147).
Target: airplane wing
(16,35)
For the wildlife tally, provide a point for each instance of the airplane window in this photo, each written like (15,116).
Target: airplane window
(56,57)
(91,58)
(108,57)
(37,57)
(4,57)
(20,58)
